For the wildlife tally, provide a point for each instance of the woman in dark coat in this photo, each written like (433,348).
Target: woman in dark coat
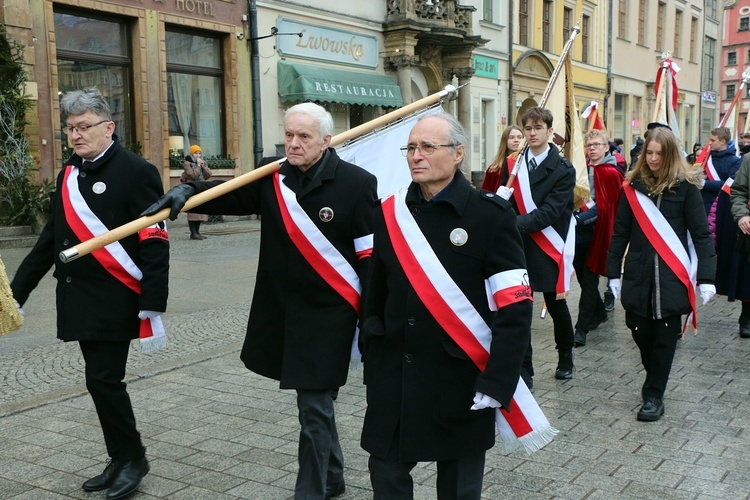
(657,288)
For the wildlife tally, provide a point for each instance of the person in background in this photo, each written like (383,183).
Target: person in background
(594,224)
(510,141)
(106,298)
(692,157)
(635,151)
(733,273)
(316,241)
(545,185)
(196,170)
(722,164)
(744,143)
(660,212)
(427,398)
(620,145)
(620,161)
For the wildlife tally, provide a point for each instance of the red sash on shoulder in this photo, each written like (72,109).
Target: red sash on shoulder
(559,250)
(114,259)
(666,243)
(710,170)
(521,425)
(315,247)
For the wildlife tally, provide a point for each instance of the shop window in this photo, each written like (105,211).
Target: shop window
(194,91)
(94,51)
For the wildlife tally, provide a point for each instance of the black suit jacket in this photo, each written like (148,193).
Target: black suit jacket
(552,184)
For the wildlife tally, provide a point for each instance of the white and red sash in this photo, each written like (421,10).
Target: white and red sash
(559,250)
(708,167)
(667,244)
(113,257)
(521,425)
(315,247)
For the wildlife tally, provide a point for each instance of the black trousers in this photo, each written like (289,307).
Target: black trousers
(562,325)
(657,341)
(459,479)
(105,370)
(321,462)
(590,304)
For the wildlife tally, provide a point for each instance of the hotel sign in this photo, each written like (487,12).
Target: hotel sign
(327,44)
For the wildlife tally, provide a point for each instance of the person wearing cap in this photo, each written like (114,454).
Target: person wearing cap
(195,170)
(315,246)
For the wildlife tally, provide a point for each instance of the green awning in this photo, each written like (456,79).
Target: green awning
(304,82)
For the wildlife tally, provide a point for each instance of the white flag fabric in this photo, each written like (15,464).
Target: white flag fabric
(666,112)
(379,153)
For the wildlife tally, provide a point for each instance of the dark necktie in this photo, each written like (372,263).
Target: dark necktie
(532,164)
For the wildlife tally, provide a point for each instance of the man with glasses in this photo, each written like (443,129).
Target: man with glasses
(316,241)
(113,295)
(543,198)
(594,226)
(430,395)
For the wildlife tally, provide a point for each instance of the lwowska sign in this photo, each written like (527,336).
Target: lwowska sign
(327,44)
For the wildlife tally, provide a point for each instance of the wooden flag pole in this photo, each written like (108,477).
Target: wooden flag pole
(86,247)
(545,97)
(664,66)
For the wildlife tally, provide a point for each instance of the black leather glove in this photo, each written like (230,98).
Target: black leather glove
(175,199)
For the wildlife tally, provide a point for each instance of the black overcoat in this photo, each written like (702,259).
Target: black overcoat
(91,303)
(552,184)
(419,381)
(300,330)
(646,278)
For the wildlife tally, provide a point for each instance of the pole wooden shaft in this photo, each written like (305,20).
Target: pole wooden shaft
(118,233)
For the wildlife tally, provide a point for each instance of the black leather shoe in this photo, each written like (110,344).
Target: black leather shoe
(579,338)
(565,366)
(129,478)
(105,479)
(609,300)
(335,490)
(745,329)
(652,410)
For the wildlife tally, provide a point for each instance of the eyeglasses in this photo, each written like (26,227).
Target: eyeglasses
(426,149)
(594,145)
(82,129)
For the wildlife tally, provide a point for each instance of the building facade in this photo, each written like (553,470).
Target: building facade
(541,30)
(644,31)
(173,73)
(735,58)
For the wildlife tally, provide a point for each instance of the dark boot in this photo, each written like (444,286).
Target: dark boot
(652,410)
(565,366)
(745,328)
(129,479)
(579,338)
(105,479)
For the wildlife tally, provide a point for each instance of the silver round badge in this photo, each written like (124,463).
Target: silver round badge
(459,236)
(99,187)
(326,214)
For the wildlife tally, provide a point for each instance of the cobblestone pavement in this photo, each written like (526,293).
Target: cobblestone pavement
(216,431)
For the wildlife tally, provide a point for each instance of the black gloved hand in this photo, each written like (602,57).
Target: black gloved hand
(175,199)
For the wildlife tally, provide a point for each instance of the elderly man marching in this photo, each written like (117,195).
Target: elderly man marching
(441,353)
(316,240)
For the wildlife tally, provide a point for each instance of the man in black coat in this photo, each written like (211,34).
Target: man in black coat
(551,180)
(105,298)
(421,379)
(316,241)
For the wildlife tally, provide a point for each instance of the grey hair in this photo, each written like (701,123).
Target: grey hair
(457,134)
(78,102)
(317,113)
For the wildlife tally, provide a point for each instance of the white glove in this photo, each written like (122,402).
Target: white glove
(20,309)
(482,401)
(615,286)
(149,314)
(504,192)
(707,291)
(703,183)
